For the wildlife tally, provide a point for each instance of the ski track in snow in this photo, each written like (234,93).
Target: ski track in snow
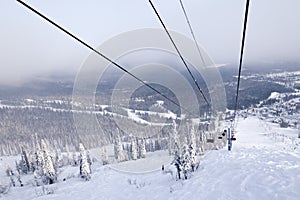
(256,168)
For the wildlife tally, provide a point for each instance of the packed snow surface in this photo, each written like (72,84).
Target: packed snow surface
(258,167)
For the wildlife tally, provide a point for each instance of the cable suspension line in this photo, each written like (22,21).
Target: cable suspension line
(181,57)
(241,57)
(192,32)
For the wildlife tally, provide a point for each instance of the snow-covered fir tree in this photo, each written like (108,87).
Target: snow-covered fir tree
(38,165)
(169,145)
(104,156)
(40,159)
(89,160)
(18,166)
(24,163)
(19,180)
(84,168)
(49,173)
(134,149)
(193,155)
(37,144)
(177,163)
(31,160)
(12,181)
(142,149)
(58,159)
(68,154)
(185,157)
(151,145)
(192,148)
(186,161)
(174,145)
(193,137)
(119,150)
(74,159)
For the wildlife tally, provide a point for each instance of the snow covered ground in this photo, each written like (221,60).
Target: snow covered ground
(258,167)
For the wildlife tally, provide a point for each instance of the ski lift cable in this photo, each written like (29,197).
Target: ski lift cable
(241,58)
(195,40)
(192,32)
(100,54)
(178,52)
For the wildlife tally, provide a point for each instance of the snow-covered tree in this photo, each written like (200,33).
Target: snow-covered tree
(104,156)
(119,150)
(89,160)
(24,164)
(134,150)
(151,145)
(192,149)
(170,145)
(38,165)
(58,162)
(75,159)
(177,163)
(68,154)
(40,159)
(37,144)
(142,149)
(18,166)
(193,137)
(19,179)
(31,160)
(84,168)
(12,181)
(49,173)
(186,161)
(192,153)
(174,145)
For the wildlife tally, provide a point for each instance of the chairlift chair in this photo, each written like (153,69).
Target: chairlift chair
(223,135)
(233,138)
(210,139)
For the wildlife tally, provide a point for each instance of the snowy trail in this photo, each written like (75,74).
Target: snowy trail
(256,168)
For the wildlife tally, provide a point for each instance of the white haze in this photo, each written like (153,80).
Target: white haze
(29,46)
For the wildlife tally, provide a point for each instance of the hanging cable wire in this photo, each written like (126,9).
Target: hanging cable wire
(178,52)
(192,32)
(196,42)
(99,53)
(241,58)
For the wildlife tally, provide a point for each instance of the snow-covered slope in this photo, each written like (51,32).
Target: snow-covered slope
(258,167)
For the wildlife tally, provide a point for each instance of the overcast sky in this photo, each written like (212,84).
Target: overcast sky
(29,46)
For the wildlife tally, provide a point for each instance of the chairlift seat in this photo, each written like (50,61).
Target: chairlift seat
(210,140)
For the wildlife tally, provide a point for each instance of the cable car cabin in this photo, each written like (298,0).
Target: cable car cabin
(210,140)
(220,137)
